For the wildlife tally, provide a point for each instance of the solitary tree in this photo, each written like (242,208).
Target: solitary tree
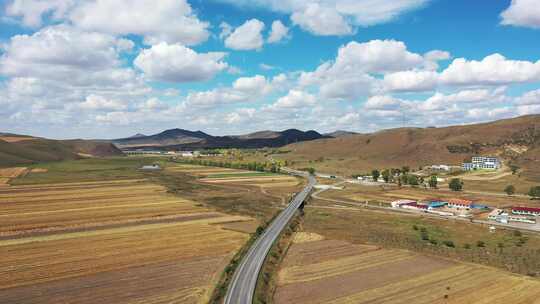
(456,184)
(413,180)
(375,174)
(386,175)
(510,190)
(534,192)
(433,181)
(311,171)
(514,169)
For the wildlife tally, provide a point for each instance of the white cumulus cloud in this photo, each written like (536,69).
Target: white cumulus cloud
(295,99)
(177,63)
(494,69)
(248,36)
(321,20)
(522,13)
(336,17)
(171,21)
(278,32)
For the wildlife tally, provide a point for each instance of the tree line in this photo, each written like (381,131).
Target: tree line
(250,166)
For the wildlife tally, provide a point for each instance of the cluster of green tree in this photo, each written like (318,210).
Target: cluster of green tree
(251,166)
(514,255)
(402,177)
(455,184)
(534,192)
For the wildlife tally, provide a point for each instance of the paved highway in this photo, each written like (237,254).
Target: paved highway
(244,280)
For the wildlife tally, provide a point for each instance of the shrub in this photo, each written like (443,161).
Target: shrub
(510,190)
(456,184)
(534,192)
(449,244)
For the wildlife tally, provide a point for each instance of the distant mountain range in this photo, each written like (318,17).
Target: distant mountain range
(180,139)
(340,133)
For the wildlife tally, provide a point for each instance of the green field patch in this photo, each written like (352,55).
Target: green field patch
(236,174)
(92,169)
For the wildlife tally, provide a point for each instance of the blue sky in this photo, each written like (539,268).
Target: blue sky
(97,69)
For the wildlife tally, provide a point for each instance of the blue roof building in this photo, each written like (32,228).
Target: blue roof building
(437,204)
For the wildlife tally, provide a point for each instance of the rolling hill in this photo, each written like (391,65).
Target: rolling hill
(180,139)
(20,149)
(515,140)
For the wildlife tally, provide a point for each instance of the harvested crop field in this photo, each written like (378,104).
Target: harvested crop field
(13,172)
(330,271)
(125,241)
(12,139)
(214,175)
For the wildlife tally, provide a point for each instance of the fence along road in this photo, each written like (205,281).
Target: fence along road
(242,286)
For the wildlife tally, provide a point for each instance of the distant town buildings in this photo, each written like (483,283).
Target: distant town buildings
(467,209)
(482,162)
(504,217)
(143,152)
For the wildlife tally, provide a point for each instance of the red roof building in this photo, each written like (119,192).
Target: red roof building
(526,211)
(460,203)
(414,205)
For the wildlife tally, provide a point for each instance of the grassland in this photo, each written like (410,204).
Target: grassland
(264,192)
(331,271)
(505,249)
(93,169)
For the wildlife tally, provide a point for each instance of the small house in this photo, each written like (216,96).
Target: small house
(399,203)
(415,206)
(153,167)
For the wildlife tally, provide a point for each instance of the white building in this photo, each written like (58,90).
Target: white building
(440,167)
(482,162)
(151,168)
(399,203)
(526,211)
(501,216)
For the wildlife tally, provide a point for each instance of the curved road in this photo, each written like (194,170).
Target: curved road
(242,286)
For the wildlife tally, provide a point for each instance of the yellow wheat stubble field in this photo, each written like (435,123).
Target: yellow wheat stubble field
(330,271)
(124,241)
(213,175)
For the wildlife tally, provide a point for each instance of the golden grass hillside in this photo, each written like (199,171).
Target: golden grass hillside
(514,139)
